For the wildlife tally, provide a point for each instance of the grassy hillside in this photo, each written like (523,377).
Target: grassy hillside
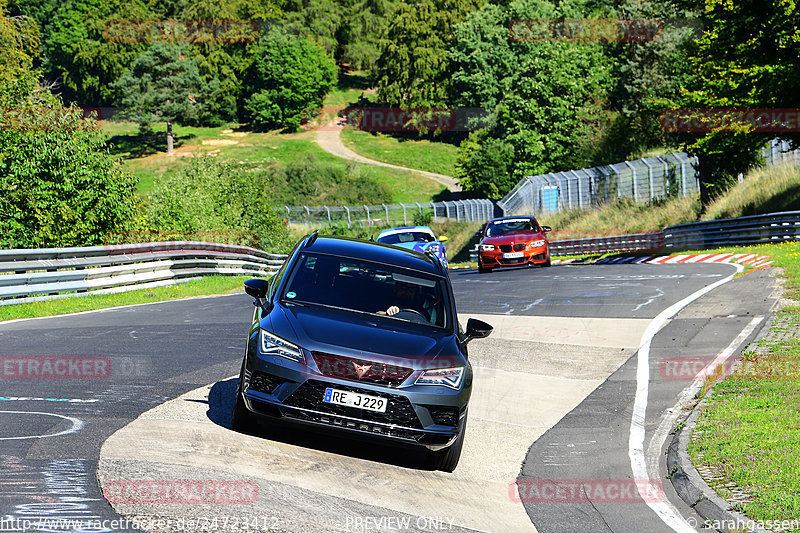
(421,154)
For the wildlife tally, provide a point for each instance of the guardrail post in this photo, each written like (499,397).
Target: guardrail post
(405,219)
(330,225)
(349,222)
(369,220)
(385,208)
(434,211)
(308,214)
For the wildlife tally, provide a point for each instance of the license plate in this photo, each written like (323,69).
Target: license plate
(354,399)
(513,255)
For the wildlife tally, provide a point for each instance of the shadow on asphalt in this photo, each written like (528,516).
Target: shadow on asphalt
(220,407)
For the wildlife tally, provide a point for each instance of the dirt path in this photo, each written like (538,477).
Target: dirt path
(329,139)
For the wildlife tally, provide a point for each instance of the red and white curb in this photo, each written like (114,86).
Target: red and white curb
(753,260)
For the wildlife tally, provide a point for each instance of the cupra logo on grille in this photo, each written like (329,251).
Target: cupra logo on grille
(361,369)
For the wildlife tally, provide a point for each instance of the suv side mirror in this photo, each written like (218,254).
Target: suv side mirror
(546,228)
(477,329)
(257,288)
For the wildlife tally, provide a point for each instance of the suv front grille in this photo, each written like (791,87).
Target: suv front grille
(335,421)
(399,410)
(339,366)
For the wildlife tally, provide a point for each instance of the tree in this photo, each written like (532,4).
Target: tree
(747,57)
(19,47)
(164,84)
(548,97)
(58,184)
(413,68)
(289,76)
(82,54)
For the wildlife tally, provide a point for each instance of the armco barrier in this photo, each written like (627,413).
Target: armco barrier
(640,242)
(48,273)
(741,231)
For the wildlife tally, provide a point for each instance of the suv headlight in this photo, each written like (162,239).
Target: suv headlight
(273,345)
(536,244)
(487,247)
(449,377)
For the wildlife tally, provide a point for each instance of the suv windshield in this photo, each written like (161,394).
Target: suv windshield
(410,236)
(511,226)
(366,287)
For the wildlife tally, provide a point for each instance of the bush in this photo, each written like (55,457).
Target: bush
(309,181)
(289,75)
(60,186)
(216,198)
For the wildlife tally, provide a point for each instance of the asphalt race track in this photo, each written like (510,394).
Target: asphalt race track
(560,398)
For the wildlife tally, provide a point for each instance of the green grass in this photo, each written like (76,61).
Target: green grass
(349,88)
(420,154)
(749,430)
(146,157)
(207,286)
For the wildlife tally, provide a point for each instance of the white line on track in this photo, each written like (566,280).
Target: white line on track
(671,415)
(76,425)
(665,510)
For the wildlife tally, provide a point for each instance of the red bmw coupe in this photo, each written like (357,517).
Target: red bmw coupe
(513,241)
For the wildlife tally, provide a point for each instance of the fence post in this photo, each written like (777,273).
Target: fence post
(635,188)
(308,214)
(650,176)
(369,220)
(387,214)
(434,211)
(328,209)
(349,222)
(405,219)
(288,215)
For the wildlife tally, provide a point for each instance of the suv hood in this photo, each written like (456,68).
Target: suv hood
(317,329)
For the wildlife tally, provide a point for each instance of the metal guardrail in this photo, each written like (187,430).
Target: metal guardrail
(639,242)
(43,274)
(771,228)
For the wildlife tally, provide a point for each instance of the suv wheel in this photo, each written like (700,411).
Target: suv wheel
(447,458)
(242,420)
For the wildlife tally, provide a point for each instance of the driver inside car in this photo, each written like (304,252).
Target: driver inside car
(405,296)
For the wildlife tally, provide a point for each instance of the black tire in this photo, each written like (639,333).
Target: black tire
(242,420)
(447,458)
(482,269)
(547,263)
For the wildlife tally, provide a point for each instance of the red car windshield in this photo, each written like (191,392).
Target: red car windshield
(503,227)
